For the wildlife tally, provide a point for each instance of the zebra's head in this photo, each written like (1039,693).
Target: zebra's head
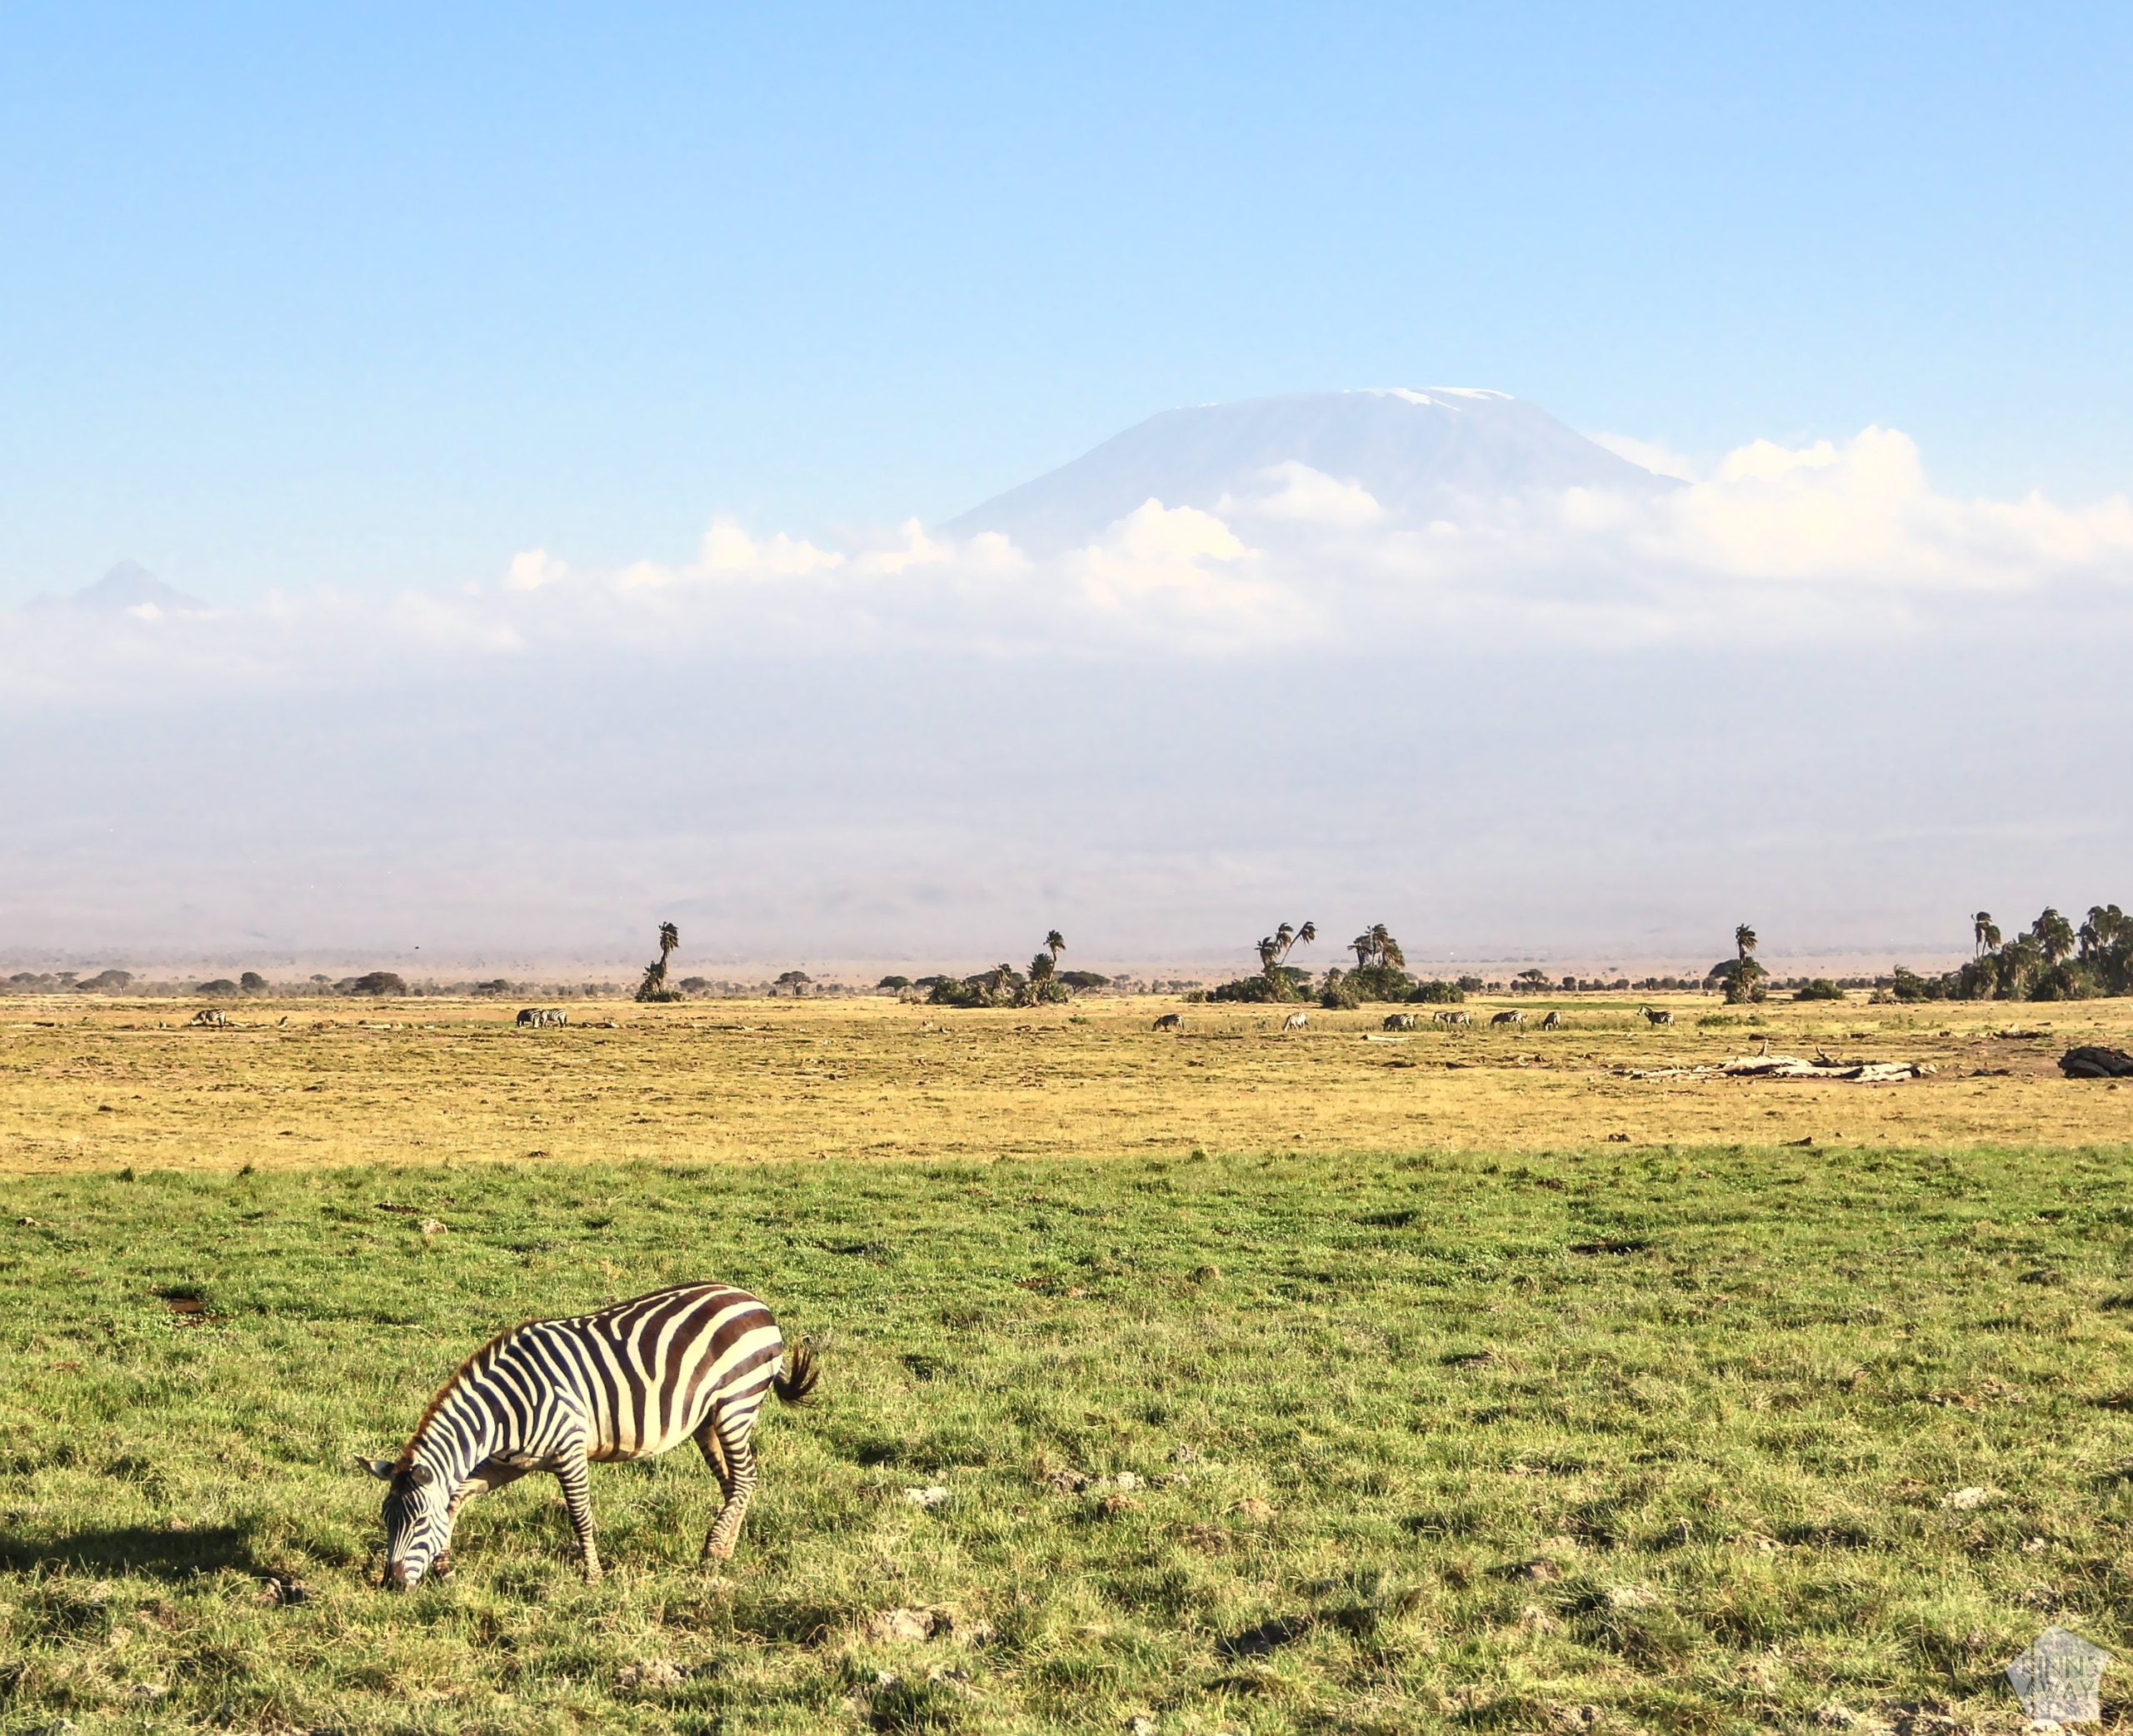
(417,1520)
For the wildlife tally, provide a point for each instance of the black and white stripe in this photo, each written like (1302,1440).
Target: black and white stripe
(695,1362)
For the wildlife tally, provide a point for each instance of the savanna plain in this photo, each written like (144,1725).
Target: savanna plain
(1338,1380)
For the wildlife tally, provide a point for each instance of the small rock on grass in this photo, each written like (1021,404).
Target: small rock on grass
(915,1624)
(887,1627)
(650,1675)
(932,1495)
(279,1588)
(1963,1500)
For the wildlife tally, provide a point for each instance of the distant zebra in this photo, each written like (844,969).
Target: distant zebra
(538,1016)
(1297,1021)
(1452,1015)
(1168,1021)
(1399,1021)
(1657,1014)
(693,1362)
(1554,1021)
(1510,1016)
(208,1018)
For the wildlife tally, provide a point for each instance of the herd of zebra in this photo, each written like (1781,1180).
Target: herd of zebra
(1454,1016)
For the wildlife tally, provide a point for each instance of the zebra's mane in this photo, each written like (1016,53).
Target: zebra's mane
(430,1410)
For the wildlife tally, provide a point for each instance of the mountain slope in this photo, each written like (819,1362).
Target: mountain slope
(128,585)
(1417,453)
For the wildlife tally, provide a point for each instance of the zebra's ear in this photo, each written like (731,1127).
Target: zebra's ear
(377,1467)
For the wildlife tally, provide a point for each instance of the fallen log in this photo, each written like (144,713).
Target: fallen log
(1791,1066)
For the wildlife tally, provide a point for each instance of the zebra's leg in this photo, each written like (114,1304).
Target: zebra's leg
(731,1457)
(575,1474)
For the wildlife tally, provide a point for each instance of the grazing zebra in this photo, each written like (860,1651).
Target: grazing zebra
(1297,1021)
(1554,1021)
(1168,1021)
(693,1362)
(1657,1014)
(1399,1021)
(1510,1016)
(1452,1015)
(540,1015)
(210,1020)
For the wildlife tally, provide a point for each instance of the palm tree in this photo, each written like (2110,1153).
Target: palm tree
(2100,932)
(1987,931)
(1055,943)
(654,985)
(1277,946)
(2021,962)
(1388,949)
(1744,942)
(2054,935)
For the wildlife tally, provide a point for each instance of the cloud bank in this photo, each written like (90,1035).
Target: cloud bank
(1801,545)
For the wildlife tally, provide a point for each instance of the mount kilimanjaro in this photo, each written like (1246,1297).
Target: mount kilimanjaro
(1419,454)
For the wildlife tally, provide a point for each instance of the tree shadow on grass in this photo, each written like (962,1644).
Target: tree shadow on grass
(152,1551)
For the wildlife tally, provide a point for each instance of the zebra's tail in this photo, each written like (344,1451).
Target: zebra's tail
(795,1383)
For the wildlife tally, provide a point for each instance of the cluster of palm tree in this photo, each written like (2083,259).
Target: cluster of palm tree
(1375,949)
(2052,959)
(1380,973)
(1004,985)
(1277,980)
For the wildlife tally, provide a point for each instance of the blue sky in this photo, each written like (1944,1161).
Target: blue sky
(376,297)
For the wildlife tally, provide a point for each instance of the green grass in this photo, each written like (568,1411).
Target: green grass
(1408,1458)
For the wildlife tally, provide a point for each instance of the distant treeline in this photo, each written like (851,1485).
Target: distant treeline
(2052,959)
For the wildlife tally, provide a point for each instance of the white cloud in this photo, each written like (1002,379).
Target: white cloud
(532,568)
(1310,497)
(1181,572)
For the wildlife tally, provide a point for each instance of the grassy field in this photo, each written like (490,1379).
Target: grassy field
(1430,1419)
(108,1085)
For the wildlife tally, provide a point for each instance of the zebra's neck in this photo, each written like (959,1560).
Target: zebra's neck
(459,1432)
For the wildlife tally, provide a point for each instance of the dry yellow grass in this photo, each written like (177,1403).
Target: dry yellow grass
(105,1085)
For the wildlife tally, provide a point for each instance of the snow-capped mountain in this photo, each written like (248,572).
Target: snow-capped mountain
(1416,453)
